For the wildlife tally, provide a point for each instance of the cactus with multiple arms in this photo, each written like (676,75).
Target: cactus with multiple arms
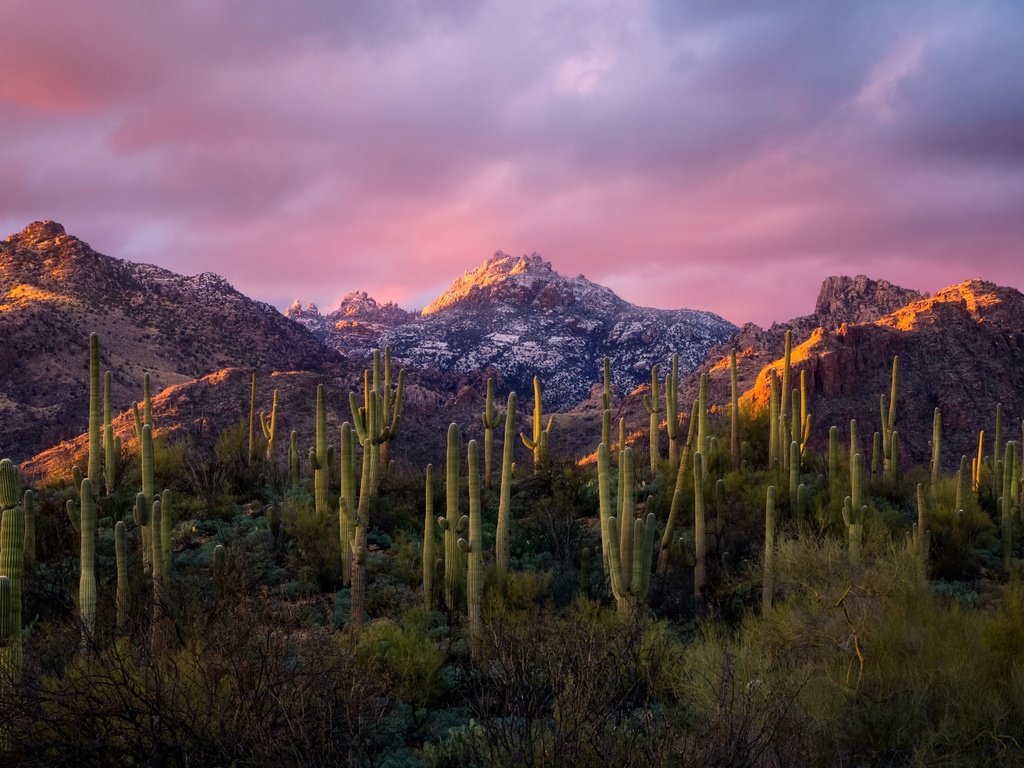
(320,455)
(452,524)
(677,494)
(539,442)
(347,502)
(269,427)
(628,543)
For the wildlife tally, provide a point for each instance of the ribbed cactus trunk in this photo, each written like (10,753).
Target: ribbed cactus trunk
(501,542)
(121,560)
(473,549)
(922,536)
(699,535)
(450,523)
(12,566)
(269,427)
(672,412)
(1009,472)
(768,585)
(936,447)
(652,405)
(539,442)
(630,579)
(490,420)
(148,491)
(794,473)
(428,539)
(319,455)
(347,503)
(95,472)
(359,538)
(87,559)
(677,494)
(293,461)
(773,420)
(703,438)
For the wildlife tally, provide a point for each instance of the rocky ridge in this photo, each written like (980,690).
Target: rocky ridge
(55,290)
(518,317)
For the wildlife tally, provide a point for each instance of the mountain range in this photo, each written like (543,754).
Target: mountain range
(961,350)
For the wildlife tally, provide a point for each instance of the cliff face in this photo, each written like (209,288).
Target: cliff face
(961,351)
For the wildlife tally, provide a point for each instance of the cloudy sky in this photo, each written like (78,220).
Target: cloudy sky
(716,155)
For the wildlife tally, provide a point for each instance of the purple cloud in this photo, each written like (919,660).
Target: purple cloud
(683,153)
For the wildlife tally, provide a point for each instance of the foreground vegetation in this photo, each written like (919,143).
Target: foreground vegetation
(754,604)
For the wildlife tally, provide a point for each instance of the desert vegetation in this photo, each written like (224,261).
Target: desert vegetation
(732,594)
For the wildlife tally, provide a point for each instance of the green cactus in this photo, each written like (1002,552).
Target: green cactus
(672,412)
(627,542)
(95,470)
(734,413)
(854,527)
(699,534)
(652,405)
(894,457)
(391,405)
(854,442)
(121,559)
(962,486)
(977,464)
(794,472)
(677,494)
(473,549)
(320,456)
(87,559)
(833,462)
(921,539)
(166,517)
(502,538)
(936,446)
(773,420)
(539,443)
(148,491)
(218,567)
(12,566)
(10,660)
(428,539)
(783,401)
(293,461)
(452,524)
(1009,471)
(269,428)
(347,503)
(856,480)
(768,585)
(877,462)
(490,420)
(376,423)
(606,401)
(703,436)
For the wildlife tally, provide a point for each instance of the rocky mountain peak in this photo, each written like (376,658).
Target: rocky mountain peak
(517,280)
(37,233)
(859,299)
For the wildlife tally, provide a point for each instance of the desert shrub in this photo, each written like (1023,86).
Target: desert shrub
(405,654)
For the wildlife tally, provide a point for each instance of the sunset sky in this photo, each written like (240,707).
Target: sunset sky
(715,155)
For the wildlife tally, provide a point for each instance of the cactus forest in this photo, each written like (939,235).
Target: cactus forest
(721,584)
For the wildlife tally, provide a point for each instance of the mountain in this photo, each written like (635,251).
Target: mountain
(518,317)
(55,290)
(961,350)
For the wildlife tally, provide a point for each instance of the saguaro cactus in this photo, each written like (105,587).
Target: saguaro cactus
(672,411)
(768,585)
(473,549)
(936,446)
(539,443)
(699,535)
(320,455)
(252,421)
(677,494)
(703,438)
(87,558)
(653,407)
(501,541)
(490,420)
(428,539)
(293,461)
(111,443)
(12,565)
(269,427)
(734,412)
(95,472)
(347,502)
(452,524)
(628,544)
(148,491)
(121,559)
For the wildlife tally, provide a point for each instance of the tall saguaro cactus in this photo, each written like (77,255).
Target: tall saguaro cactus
(768,585)
(269,427)
(320,455)
(347,503)
(12,565)
(539,442)
(86,518)
(452,524)
(628,543)
(734,412)
(501,541)
(677,494)
(672,411)
(121,560)
(936,446)
(699,535)
(428,539)
(473,549)
(490,420)
(653,408)
(111,443)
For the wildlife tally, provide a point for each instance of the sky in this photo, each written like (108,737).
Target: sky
(724,156)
